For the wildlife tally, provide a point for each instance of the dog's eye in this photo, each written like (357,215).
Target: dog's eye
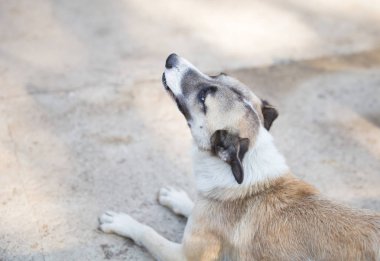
(204,92)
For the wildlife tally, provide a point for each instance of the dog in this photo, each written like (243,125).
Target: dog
(249,205)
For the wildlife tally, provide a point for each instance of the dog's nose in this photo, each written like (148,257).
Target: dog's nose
(171,61)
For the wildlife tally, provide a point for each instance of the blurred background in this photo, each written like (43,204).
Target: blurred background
(85,125)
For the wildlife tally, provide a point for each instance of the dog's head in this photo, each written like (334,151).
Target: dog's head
(224,116)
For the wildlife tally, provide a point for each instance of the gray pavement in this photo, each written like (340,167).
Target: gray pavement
(85,125)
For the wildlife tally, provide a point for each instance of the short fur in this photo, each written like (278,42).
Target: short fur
(249,205)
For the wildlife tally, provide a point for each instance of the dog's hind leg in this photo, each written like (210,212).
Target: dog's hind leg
(124,225)
(177,200)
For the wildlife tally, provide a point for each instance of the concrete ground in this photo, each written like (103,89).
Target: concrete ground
(85,125)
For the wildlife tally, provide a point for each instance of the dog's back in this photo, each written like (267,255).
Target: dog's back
(287,220)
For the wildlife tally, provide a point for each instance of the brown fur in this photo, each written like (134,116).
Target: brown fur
(286,220)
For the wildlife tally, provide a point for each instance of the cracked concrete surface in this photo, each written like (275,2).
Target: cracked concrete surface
(85,125)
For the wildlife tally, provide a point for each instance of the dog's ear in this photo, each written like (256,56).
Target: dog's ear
(231,149)
(269,113)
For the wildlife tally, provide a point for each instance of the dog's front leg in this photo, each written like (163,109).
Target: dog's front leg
(124,225)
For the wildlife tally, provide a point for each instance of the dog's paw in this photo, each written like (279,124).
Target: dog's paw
(177,200)
(121,224)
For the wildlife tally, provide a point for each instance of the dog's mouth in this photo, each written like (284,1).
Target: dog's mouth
(167,88)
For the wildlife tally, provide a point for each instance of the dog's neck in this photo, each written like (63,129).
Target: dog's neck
(262,164)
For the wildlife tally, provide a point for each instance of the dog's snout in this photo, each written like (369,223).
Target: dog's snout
(171,61)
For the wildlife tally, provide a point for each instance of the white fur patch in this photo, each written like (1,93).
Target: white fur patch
(173,80)
(261,163)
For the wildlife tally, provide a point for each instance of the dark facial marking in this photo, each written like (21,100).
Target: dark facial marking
(202,95)
(183,108)
(191,81)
